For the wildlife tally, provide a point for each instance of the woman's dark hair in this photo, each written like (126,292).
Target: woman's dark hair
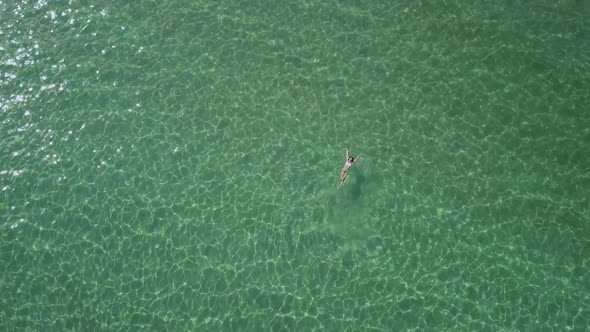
(351,158)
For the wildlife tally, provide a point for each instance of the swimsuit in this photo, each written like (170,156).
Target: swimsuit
(347,166)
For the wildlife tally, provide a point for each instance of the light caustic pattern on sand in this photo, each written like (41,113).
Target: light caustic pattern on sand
(173,165)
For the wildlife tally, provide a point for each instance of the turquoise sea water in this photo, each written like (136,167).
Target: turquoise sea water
(172,165)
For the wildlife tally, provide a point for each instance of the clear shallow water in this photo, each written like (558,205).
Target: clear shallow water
(172,166)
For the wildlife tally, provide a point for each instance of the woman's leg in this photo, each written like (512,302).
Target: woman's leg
(343,177)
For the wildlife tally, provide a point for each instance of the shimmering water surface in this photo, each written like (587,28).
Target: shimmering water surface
(172,165)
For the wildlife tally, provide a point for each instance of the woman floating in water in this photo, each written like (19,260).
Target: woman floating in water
(344,173)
